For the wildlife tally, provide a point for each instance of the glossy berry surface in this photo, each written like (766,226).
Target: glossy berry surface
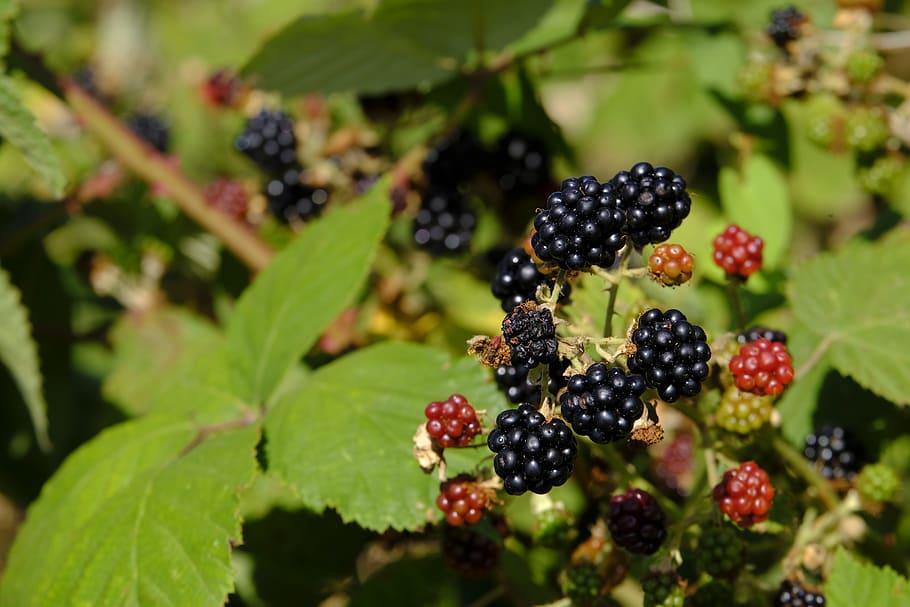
(654,202)
(836,453)
(636,521)
(531,335)
(229,197)
(514,382)
(737,252)
(452,422)
(520,163)
(444,225)
(670,265)
(517,278)
(721,551)
(762,367)
(785,27)
(453,160)
(291,200)
(151,129)
(745,494)
(580,227)
(531,453)
(469,553)
(792,594)
(742,412)
(603,403)
(753,333)
(671,353)
(269,141)
(462,501)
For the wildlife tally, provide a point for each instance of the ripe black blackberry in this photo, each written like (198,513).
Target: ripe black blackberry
(521,163)
(289,199)
(654,202)
(469,553)
(269,141)
(517,279)
(753,333)
(531,335)
(792,594)
(836,453)
(671,353)
(603,403)
(786,25)
(514,383)
(453,160)
(531,452)
(151,129)
(580,227)
(444,225)
(636,521)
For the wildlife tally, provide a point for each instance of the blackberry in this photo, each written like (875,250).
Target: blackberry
(878,482)
(753,333)
(792,594)
(469,553)
(742,412)
(603,403)
(269,141)
(531,453)
(737,252)
(636,522)
(671,353)
(151,129)
(825,116)
(745,494)
(715,593)
(583,584)
(670,265)
(517,279)
(786,26)
(835,452)
(721,551)
(513,381)
(453,160)
(444,225)
(462,501)
(289,199)
(762,367)
(521,163)
(86,80)
(882,175)
(653,200)
(580,227)
(663,589)
(453,422)
(229,197)
(531,335)
(554,527)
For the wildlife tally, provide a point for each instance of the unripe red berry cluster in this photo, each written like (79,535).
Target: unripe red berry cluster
(228,196)
(745,494)
(737,252)
(452,422)
(462,501)
(762,367)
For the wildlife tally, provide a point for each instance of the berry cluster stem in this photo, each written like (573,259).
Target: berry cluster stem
(736,301)
(614,289)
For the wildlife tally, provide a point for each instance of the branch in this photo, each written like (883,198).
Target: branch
(247,419)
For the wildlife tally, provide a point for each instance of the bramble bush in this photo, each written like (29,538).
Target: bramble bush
(398,302)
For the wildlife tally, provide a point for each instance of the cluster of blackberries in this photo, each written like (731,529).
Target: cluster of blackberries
(835,452)
(531,452)
(517,278)
(150,128)
(753,333)
(792,594)
(603,403)
(654,201)
(636,521)
(531,335)
(514,382)
(786,26)
(671,353)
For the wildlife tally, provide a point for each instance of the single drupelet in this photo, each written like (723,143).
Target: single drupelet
(531,335)
(268,140)
(444,224)
(745,494)
(462,501)
(792,594)
(670,265)
(654,202)
(603,403)
(738,253)
(517,278)
(671,353)
(835,452)
(636,521)
(531,453)
(762,367)
(452,422)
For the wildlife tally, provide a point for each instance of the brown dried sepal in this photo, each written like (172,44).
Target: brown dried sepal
(427,454)
(490,351)
(647,429)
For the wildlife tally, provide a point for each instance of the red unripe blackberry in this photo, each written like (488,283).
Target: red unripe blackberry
(762,367)
(469,553)
(753,333)
(229,197)
(462,501)
(636,521)
(793,594)
(675,463)
(531,335)
(654,202)
(745,494)
(452,422)
(670,264)
(737,252)
(603,403)
(222,89)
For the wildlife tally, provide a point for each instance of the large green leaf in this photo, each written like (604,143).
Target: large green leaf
(303,289)
(466,300)
(138,516)
(20,355)
(852,582)
(855,302)
(345,442)
(17,126)
(8,11)
(800,400)
(756,198)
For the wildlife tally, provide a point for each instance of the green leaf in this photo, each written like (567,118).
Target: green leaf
(138,516)
(411,581)
(560,20)
(304,288)
(466,300)
(8,11)
(17,126)
(345,442)
(20,355)
(852,582)
(800,400)
(854,301)
(756,198)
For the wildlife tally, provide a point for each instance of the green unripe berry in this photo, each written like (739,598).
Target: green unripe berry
(755,80)
(881,177)
(663,590)
(582,584)
(554,528)
(878,482)
(720,551)
(713,594)
(863,65)
(824,114)
(741,412)
(866,129)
